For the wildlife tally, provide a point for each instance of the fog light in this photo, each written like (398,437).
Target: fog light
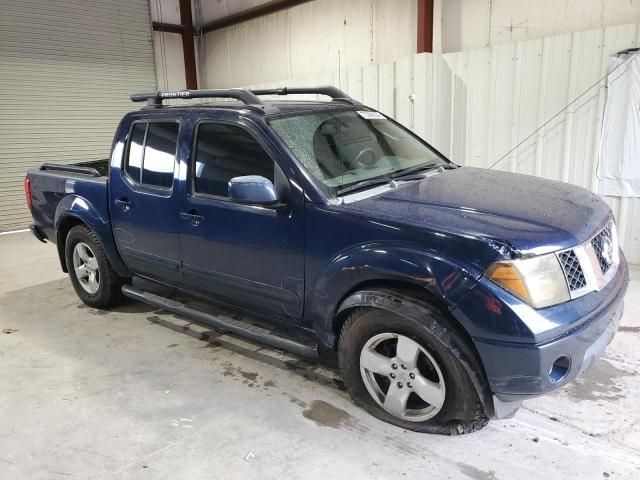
(559,369)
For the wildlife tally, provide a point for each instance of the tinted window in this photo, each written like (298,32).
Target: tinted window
(224,152)
(160,154)
(133,164)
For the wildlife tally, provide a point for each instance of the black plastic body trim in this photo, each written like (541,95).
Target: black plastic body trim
(71,169)
(37,233)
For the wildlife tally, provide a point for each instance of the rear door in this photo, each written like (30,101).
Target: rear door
(250,256)
(143,196)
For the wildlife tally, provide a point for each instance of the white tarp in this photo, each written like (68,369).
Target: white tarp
(619,158)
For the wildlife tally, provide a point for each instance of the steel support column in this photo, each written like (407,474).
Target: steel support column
(425,26)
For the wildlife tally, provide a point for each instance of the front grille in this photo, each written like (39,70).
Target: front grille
(603,247)
(572,270)
(590,266)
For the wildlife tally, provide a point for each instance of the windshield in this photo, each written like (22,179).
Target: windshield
(350,147)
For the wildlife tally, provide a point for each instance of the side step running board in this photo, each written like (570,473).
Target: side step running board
(224,323)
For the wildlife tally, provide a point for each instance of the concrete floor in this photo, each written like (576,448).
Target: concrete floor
(137,393)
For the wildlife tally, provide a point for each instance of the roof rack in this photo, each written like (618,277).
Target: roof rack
(154,99)
(328,90)
(248,97)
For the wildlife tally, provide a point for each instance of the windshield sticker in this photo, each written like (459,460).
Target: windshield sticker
(368,115)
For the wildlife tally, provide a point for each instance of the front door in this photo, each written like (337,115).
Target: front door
(144,200)
(249,256)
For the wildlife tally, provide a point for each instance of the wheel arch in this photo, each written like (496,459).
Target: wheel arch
(74,210)
(354,299)
(65,224)
(411,301)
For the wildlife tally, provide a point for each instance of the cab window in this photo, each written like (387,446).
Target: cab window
(151,157)
(224,152)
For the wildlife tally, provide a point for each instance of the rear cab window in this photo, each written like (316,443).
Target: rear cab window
(133,162)
(151,155)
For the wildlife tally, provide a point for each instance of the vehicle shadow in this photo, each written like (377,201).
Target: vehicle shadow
(26,306)
(323,371)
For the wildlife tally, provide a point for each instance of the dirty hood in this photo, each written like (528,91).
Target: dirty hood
(531,214)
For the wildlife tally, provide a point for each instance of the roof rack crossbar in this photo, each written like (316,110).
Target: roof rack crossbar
(328,90)
(154,99)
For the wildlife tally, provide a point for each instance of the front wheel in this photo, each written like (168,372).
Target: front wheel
(409,373)
(92,276)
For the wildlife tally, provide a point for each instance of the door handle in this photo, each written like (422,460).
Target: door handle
(124,204)
(193,217)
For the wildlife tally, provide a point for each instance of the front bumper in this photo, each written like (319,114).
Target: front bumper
(536,364)
(516,371)
(527,352)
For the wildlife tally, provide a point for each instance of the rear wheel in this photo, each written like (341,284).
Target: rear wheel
(92,276)
(85,266)
(409,373)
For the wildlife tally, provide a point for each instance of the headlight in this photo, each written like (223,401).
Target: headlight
(538,281)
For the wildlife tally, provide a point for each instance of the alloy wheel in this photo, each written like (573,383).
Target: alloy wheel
(86,268)
(402,377)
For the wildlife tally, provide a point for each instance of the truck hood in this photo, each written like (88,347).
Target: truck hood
(530,214)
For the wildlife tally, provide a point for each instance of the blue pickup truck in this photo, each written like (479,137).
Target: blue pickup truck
(450,294)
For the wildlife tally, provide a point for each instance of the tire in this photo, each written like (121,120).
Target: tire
(91,262)
(438,374)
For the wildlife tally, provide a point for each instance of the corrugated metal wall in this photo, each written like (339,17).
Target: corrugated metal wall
(515,88)
(66,69)
(476,106)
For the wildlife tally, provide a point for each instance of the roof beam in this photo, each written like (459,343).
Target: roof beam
(255,12)
(168,27)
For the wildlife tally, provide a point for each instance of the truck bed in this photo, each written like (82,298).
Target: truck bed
(57,187)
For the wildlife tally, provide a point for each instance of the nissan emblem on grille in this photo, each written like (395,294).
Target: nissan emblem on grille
(607,251)
(603,247)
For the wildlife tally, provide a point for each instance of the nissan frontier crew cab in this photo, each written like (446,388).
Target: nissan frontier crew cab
(450,294)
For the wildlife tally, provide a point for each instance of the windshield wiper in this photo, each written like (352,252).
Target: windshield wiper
(388,179)
(364,184)
(418,168)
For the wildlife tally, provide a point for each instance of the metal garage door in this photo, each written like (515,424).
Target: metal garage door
(66,69)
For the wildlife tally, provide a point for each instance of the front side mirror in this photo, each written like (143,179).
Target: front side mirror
(253,190)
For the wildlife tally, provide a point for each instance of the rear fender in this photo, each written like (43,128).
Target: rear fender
(75,209)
